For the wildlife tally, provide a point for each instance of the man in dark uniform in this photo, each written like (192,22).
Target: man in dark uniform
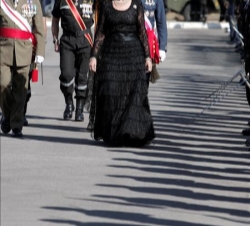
(239,47)
(223,13)
(246,30)
(74,50)
(198,10)
(246,34)
(25,121)
(155,15)
(154,10)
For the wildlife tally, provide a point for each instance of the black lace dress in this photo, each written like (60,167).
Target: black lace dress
(120,113)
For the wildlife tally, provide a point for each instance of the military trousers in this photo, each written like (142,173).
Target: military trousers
(14,85)
(74,65)
(28,96)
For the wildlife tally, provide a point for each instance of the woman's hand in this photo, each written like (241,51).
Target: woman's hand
(92,64)
(148,64)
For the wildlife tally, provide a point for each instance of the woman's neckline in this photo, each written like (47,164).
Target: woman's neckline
(124,10)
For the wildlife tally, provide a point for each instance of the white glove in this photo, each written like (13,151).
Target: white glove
(39,59)
(162,55)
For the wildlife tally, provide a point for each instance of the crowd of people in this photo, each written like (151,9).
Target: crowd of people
(120,54)
(242,32)
(119,58)
(237,13)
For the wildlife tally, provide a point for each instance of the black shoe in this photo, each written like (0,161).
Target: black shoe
(79,117)
(246,132)
(222,18)
(17,132)
(90,127)
(87,105)
(238,49)
(25,121)
(5,125)
(242,82)
(67,114)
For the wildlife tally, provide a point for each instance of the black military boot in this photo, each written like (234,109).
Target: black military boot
(25,121)
(79,110)
(5,125)
(67,114)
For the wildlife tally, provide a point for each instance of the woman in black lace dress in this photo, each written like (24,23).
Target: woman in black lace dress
(120,113)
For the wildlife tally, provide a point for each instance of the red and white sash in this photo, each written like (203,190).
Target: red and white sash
(79,20)
(25,29)
(152,41)
(148,24)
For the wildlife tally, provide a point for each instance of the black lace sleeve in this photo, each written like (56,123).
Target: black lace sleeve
(99,35)
(141,28)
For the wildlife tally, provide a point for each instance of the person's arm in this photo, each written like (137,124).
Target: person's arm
(56,13)
(143,35)
(141,29)
(45,27)
(99,38)
(161,25)
(55,32)
(96,10)
(44,18)
(99,35)
(38,31)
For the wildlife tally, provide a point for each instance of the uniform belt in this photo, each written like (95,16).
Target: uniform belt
(126,37)
(17,34)
(76,33)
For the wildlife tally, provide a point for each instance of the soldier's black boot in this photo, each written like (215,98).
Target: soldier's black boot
(79,110)
(5,125)
(67,114)
(25,121)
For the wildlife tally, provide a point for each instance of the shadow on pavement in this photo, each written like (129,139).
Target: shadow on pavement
(196,165)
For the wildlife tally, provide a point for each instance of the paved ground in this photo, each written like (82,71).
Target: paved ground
(196,173)
(171,16)
(176,21)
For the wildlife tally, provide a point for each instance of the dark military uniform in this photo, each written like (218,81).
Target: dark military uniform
(198,10)
(245,16)
(14,67)
(222,10)
(154,10)
(246,34)
(74,54)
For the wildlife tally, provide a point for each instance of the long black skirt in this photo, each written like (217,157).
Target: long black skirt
(120,113)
